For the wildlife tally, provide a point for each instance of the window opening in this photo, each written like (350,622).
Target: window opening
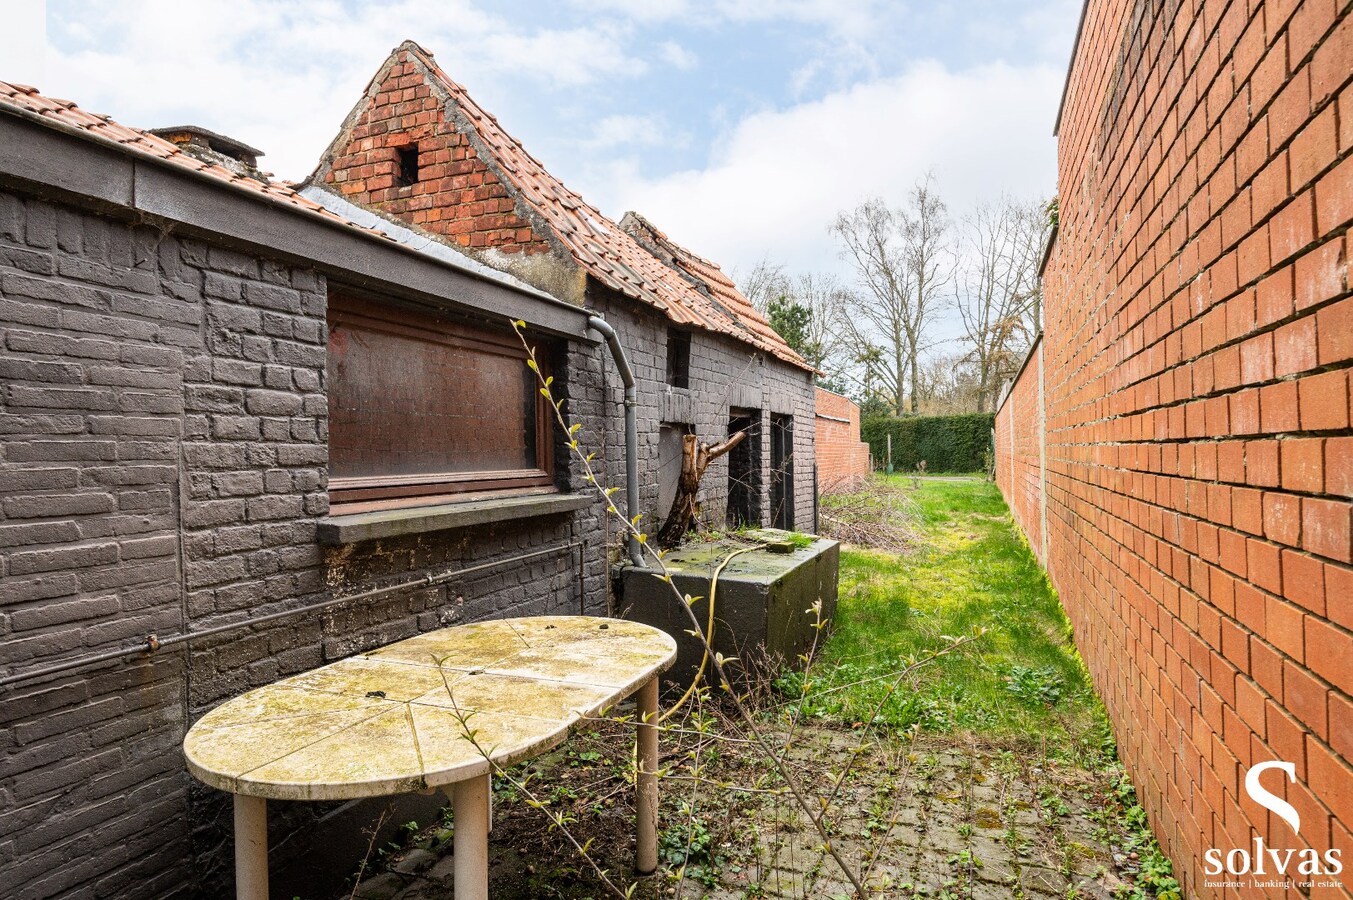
(679,358)
(407,159)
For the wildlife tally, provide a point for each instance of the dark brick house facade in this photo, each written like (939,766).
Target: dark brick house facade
(166,342)
(417,149)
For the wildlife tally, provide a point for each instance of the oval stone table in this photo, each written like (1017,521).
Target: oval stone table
(440,710)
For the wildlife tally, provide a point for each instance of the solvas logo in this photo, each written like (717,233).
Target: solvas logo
(1281,867)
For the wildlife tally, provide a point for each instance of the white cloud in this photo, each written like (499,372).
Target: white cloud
(283,76)
(833,69)
(646,11)
(852,18)
(676,55)
(23,57)
(612,132)
(778,179)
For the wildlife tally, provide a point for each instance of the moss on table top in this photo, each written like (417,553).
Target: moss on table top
(401,718)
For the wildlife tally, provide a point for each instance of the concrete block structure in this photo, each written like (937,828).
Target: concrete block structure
(763,605)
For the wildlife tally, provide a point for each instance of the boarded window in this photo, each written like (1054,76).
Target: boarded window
(421,405)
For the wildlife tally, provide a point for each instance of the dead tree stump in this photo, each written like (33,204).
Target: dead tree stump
(696,455)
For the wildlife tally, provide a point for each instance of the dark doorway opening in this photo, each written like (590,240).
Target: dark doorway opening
(744,469)
(782,471)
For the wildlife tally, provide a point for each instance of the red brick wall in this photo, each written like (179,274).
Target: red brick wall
(842,458)
(1019,468)
(1199,463)
(456,194)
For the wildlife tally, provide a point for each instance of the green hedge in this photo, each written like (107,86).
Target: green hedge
(946,443)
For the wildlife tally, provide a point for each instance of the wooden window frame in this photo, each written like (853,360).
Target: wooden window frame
(402,490)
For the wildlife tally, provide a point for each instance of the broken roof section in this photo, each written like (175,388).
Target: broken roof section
(412,101)
(196,135)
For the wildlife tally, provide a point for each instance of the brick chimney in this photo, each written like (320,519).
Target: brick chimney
(211,147)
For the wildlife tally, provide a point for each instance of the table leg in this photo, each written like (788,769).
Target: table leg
(470,847)
(646,780)
(251,848)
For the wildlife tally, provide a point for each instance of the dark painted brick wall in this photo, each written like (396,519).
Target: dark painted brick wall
(163,469)
(723,374)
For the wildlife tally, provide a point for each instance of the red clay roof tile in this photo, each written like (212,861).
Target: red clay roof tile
(65,114)
(709,279)
(602,247)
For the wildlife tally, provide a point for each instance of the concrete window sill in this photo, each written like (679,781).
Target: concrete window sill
(369,526)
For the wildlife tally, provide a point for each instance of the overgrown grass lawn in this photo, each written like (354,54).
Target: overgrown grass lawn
(970,570)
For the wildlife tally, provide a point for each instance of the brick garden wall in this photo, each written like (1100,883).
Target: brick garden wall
(1199,463)
(842,458)
(163,468)
(1019,468)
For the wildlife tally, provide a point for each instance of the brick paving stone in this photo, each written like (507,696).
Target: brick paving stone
(955,818)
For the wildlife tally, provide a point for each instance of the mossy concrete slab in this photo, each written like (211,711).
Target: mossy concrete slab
(763,603)
(479,691)
(425,712)
(388,523)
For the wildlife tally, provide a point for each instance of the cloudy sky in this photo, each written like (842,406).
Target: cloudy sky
(739,127)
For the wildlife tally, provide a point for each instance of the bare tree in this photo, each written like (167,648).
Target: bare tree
(904,261)
(873,235)
(930,256)
(766,283)
(821,302)
(998,293)
(826,302)
(949,384)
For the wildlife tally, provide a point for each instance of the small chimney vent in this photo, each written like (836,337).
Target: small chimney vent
(211,147)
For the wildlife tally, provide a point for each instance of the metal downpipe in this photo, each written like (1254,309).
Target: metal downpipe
(622,365)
